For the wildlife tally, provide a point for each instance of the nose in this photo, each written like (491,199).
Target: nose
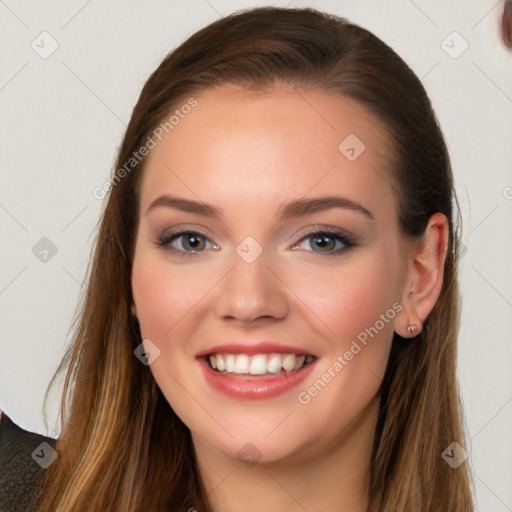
(251,290)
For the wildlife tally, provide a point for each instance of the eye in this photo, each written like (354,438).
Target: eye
(329,240)
(325,239)
(187,242)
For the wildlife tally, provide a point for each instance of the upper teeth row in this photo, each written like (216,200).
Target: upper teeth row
(258,364)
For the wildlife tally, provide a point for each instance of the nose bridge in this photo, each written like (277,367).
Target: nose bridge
(250,289)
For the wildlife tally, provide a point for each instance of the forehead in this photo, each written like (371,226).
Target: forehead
(245,145)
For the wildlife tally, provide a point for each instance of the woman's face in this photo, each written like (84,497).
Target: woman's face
(260,279)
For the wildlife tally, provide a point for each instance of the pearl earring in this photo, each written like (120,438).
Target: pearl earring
(413,329)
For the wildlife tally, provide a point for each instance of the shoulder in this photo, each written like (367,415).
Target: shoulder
(23,457)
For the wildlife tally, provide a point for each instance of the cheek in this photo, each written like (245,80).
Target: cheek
(355,305)
(166,299)
(351,298)
(164,295)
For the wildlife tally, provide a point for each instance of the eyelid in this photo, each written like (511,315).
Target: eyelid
(346,238)
(326,228)
(305,232)
(164,240)
(184,228)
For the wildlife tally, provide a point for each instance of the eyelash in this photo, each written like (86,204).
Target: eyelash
(348,242)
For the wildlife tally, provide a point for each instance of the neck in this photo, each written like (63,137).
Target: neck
(333,478)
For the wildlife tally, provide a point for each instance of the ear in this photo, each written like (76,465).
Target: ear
(424,276)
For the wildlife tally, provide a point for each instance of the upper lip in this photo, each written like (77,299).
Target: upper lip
(262,347)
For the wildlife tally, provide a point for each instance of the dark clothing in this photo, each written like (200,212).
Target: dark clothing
(23,458)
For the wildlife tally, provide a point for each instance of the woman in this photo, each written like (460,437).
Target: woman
(271,315)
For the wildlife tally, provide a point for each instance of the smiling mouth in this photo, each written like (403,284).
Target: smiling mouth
(262,366)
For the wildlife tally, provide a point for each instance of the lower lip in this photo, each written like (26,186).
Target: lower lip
(255,389)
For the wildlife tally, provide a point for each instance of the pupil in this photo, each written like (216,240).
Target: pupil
(322,240)
(193,241)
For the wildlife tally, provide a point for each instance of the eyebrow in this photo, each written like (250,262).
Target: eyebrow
(296,208)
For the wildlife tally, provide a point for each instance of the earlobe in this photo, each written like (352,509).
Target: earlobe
(424,278)
(408,324)
(413,329)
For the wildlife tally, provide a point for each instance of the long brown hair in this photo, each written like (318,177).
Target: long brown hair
(122,447)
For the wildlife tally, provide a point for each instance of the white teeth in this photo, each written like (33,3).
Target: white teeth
(230,363)
(274,363)
(221,365)
(289,362)
(258,364)
(242,364)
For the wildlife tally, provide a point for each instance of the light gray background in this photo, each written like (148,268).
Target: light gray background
(62,118)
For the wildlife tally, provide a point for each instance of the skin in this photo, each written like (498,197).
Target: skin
(249,154)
